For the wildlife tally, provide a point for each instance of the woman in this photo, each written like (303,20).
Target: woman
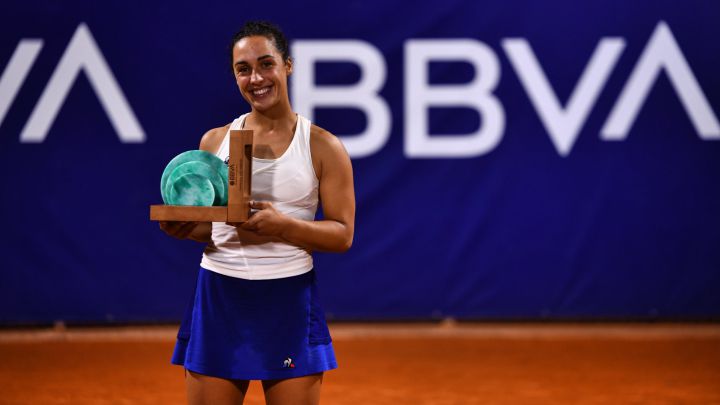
(256,313)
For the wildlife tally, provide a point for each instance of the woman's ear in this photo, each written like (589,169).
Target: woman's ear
(289,66)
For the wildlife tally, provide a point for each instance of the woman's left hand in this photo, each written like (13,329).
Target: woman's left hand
(267,221)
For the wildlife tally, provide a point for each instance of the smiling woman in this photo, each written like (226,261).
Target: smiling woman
(256,313)
(261,65)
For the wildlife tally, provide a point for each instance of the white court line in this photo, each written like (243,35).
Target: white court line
(358,331)
(98,334)
(530,331)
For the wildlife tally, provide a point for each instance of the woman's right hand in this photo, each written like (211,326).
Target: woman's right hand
(178,229)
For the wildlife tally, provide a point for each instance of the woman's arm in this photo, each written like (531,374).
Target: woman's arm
(335,232)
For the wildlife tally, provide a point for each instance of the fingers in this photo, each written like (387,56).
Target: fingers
(260,205)
(257,216)
(171,225)
(168,226)
(251,223)
(186,229)
(178,229)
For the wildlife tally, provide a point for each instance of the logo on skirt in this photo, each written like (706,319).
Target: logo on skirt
(288,363)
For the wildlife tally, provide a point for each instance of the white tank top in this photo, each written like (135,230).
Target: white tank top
(290,184)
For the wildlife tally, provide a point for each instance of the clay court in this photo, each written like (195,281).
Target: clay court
(382,364)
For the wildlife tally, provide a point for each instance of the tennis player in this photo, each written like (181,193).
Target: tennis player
(256,313)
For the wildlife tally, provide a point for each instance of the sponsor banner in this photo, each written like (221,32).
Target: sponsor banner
(516,160)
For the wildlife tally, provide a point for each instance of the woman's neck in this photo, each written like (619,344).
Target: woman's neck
(277,118)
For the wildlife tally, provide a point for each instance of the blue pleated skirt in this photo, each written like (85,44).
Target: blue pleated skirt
(254,329)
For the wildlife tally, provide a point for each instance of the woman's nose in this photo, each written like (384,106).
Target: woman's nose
(255,77)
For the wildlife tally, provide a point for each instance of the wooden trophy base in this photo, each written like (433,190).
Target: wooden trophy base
(239,187)
(161,212)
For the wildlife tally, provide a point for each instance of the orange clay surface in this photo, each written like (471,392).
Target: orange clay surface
(392,364)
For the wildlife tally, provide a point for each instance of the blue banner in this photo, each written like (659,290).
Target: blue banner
(514,160)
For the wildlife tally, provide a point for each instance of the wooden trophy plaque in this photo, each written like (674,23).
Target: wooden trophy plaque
(239,187)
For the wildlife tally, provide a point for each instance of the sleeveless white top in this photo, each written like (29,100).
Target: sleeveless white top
(291,185)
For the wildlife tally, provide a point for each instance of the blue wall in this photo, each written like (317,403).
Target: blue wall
(519,228)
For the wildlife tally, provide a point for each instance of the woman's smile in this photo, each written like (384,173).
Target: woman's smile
(261,92)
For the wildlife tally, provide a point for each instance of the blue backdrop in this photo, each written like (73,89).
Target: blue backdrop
(512,198)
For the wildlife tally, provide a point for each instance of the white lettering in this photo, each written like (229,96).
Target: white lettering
(17,69)
(362,95)
(661,53)
(477,94)
(562,122)
(83,54)
(563,125)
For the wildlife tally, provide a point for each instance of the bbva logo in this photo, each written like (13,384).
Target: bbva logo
(563,123)
(81,54)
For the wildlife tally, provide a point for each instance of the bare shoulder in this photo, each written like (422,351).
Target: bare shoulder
(325,142)
(327,150)
(213,138)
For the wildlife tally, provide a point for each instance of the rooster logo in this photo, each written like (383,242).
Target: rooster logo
(288,363)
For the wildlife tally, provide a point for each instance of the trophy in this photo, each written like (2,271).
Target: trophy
(198,186)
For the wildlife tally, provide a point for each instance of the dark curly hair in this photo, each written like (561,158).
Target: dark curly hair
(265,29)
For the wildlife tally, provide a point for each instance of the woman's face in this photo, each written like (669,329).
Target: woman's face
(260,72)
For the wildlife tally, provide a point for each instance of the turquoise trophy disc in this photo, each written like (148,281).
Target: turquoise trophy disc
(201,169)
(191,189)
(221,190)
